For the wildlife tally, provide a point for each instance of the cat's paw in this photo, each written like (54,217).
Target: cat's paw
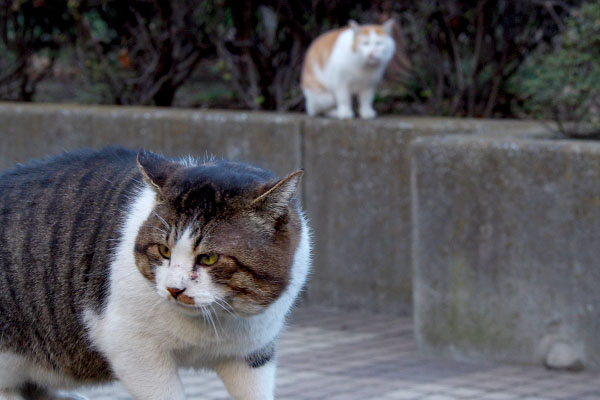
(67,396)
(367,113)
(343,113)
(10,395)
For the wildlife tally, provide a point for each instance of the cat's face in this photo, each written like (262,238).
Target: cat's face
(222,236)
(373,43)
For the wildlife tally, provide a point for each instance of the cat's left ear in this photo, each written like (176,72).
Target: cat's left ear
(355,26)
(155,168)
(388,26)
(276,199)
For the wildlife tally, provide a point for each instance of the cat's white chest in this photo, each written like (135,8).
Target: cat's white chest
(346,66)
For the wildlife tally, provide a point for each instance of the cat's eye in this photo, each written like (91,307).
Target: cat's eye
(207,259)
(164,251)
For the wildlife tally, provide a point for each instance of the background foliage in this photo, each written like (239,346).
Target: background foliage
(458,58)
(563,82)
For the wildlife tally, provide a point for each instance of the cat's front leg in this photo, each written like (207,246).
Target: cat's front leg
(365,103)
(6,394)
(343,99)
(248,382)
(147,372)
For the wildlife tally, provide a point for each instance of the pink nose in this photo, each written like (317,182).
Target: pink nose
(175,292)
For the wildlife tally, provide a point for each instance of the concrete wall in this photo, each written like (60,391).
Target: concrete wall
(30,131)
(355,189)
(499,224)
(507,249)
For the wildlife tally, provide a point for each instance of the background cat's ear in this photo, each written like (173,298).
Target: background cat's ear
(354,26)
(277,198)
(388,26)
(155,168)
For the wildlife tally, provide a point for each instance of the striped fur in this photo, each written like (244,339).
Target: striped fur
(58,222)
(80,266)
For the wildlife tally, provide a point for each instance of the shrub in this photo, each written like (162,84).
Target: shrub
(31,33)
(563,83)
(463,53)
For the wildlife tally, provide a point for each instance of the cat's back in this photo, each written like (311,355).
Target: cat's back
(319,54)
(59,223)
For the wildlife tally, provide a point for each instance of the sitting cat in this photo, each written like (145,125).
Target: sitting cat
(346,62)
(123,265)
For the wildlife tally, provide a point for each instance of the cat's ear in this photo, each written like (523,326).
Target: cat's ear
(388,26)
(276,199)
(155,168)
(354,26)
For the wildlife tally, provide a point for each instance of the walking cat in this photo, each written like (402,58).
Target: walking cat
(343,63)
(122,265)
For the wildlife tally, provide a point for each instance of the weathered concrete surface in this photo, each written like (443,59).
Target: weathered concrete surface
(358,199)
(356,188)
(358,202)
(507,248)
(500,225)
(267,139)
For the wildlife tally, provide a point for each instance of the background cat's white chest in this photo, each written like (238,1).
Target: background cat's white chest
(346,66)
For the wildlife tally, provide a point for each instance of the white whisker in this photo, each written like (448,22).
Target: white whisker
(216,316)
(226,306)
(166,224)
(160,230)
(206,311)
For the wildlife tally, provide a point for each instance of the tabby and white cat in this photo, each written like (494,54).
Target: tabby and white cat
(343,63)
(123,265)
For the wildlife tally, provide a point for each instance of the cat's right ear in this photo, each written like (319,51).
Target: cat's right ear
(155,168)
(388,26)
(276,199)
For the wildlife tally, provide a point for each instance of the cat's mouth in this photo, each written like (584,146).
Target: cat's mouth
(188,303)
(185,300)
(373,60)
(188,306)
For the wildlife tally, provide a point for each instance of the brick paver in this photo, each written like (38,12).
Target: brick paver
(350,356)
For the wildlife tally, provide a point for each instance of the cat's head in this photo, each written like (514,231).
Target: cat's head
(373,43)
(222,235)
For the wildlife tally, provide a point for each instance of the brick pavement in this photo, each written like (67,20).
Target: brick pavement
(343,356)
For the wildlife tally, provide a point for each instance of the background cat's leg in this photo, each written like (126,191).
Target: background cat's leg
(244,382)
(365,103)
(318,102)
(343,99)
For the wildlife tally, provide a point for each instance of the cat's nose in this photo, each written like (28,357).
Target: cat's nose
(175,292)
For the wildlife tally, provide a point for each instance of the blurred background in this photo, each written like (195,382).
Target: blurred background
(501,59)
(456,236)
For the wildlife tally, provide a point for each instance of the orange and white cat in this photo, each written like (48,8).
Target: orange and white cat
(343,63)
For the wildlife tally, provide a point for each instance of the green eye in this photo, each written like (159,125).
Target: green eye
(164,251)
(207,259)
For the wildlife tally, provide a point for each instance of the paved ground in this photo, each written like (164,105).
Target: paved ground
(341,356)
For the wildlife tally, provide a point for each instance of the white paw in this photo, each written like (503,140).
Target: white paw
(10,395)
(68,396)
(367,113)
(344,113)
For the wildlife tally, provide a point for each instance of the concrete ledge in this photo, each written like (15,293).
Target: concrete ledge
(356,188)
(507,247)
(499,225)
(267,139)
